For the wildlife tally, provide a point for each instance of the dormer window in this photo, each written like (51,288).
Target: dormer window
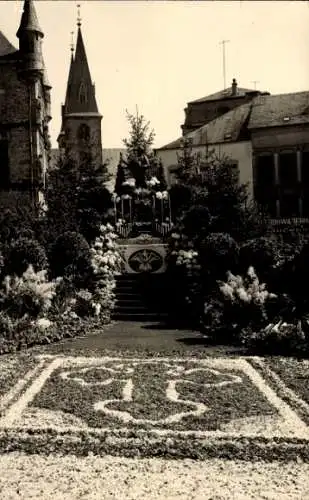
(83,97)
(227,136)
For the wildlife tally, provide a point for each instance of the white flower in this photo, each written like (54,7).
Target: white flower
(43,323)
(242,294)
(251,273)
(159,195)
(227,291)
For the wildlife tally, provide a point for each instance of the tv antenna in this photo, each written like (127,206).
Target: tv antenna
(223,43)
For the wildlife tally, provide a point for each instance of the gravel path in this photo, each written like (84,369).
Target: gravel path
(70,478)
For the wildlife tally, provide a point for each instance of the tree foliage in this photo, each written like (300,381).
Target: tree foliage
(77,198)
(140,162)
(212,181)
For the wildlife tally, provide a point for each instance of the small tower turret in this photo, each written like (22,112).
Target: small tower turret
(30,38)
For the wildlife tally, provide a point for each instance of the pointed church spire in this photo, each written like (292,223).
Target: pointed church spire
(80,95)
(29,20)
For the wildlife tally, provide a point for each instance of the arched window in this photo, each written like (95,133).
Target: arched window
(83,95)
(83,133)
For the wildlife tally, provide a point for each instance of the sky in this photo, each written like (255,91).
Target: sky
(159,55)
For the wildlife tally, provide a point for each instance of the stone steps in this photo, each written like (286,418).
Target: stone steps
(130,300)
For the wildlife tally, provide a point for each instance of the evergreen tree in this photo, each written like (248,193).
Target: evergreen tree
(141,138)
(141,163)
(211,181)
(77,198)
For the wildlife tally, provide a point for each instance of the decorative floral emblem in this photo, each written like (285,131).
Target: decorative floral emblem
(145,260)
(165,402)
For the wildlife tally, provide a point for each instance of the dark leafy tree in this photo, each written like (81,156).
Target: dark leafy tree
(77,198)
(212,181)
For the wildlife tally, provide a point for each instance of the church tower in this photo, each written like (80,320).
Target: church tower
(24,115)
(80,134)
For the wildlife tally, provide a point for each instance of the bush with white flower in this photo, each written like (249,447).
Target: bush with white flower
(239,303)
(106,263)
(30,295)
(247,290)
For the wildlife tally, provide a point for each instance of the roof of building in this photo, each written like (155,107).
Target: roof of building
(5,46)
(29,20)
(80,80)
(231,92)
(280,110)
(226,128)
(262,112)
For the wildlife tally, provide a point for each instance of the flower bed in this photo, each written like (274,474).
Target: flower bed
(295,374)
(289,379)
(14,368)
(31,335)
(171,407)
(226,396)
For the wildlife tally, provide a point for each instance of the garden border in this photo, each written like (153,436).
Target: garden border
(166,443)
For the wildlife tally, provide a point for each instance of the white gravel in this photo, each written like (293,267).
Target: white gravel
(68,478)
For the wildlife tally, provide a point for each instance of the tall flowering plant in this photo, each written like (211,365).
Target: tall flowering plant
(106,263)
(241,302)
(30,295)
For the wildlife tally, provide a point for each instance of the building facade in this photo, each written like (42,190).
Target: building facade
(267,137)
(24,115)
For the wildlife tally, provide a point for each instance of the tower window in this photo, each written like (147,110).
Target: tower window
(83,96)
(83,132)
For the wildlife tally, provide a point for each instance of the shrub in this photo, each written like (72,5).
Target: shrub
(196,222)
(85,306)
(218,253)
(281,338)
(29,295)
(70,256)
(239,303)
(261,253)
(22,253)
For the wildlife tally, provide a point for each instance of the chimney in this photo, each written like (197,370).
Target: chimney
(234,87)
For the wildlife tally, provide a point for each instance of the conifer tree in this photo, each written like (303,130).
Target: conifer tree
(212,181)
(77,198)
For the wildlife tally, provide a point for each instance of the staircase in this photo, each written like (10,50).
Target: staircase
(133,301)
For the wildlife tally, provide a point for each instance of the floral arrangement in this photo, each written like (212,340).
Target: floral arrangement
(153,182)
(106,263)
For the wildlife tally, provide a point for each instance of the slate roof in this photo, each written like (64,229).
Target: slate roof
(29,20)
(79,73)
(280,110)
(5,46)
(263,111)
(226,128)
(224,94)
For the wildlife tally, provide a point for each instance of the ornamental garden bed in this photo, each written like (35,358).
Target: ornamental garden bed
(171,407)
(294,373)
(13,368)
(289,378)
